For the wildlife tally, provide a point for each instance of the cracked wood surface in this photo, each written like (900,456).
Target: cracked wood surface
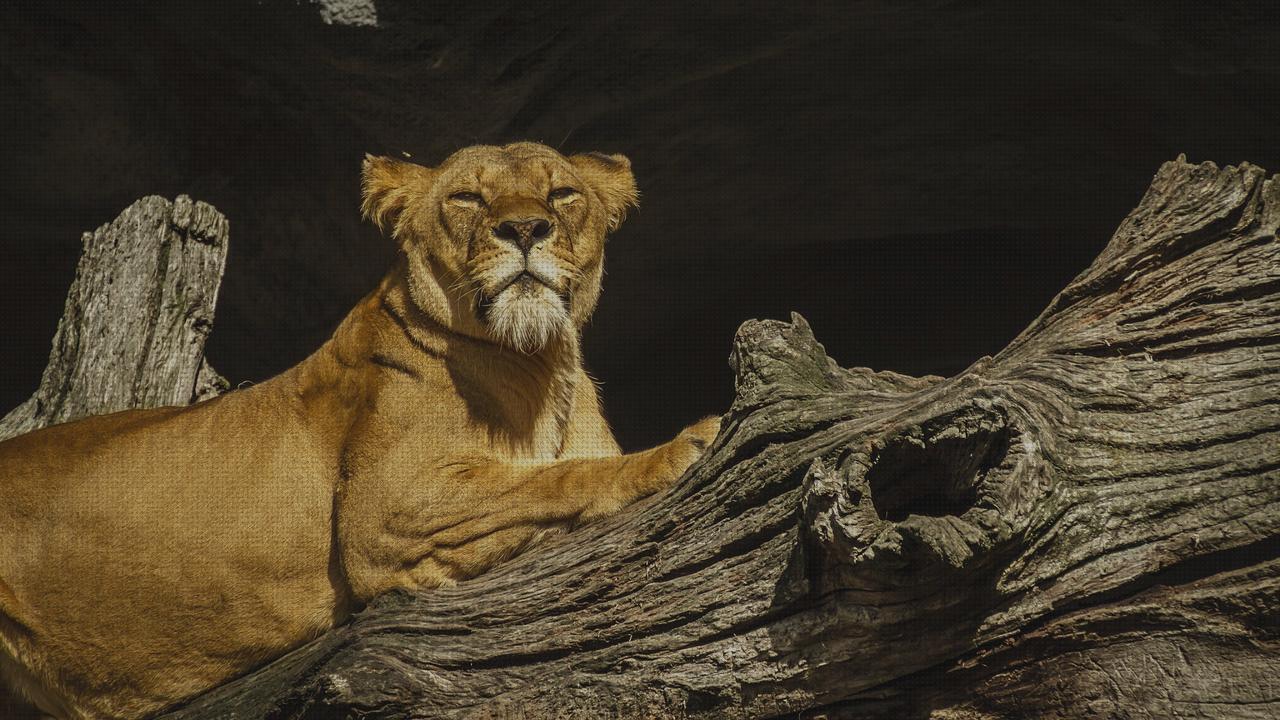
(1085,525)
(137,315)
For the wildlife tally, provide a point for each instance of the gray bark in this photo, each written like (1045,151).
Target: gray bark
(1085,525)
(137,316)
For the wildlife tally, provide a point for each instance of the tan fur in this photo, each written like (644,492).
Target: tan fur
(147,556)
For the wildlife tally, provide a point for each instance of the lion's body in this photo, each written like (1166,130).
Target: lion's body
(150,554)
(146,556)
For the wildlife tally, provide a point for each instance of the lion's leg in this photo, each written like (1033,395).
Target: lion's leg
(493,510)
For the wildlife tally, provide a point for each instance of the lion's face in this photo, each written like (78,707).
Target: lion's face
(512,236)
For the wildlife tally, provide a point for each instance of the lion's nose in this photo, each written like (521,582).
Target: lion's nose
(524,233)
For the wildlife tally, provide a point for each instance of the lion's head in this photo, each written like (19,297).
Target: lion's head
(503,242)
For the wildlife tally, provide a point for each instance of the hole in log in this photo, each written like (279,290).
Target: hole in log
(937,473)
(702,701)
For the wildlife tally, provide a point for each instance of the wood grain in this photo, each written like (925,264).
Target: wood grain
(138,313)
(1085,525)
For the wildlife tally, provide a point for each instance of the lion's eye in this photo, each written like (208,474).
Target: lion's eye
(561,193)
(467,198)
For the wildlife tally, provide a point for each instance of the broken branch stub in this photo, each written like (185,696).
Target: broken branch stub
(137,315)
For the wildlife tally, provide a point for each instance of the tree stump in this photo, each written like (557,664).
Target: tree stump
(1085,525)
(137,316)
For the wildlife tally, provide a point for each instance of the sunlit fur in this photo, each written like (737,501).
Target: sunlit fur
(527,316)
(462,272)
(447,424)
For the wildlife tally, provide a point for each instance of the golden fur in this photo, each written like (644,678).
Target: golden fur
(147,556)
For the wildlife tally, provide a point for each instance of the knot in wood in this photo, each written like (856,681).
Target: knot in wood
(922,500)
(772,360)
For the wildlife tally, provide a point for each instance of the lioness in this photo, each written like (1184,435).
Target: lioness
(147,556)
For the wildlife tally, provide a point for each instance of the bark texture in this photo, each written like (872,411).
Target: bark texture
(137,315)
(1085,525)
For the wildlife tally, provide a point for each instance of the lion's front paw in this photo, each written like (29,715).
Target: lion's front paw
(692,443)
(668,463)
(702,433)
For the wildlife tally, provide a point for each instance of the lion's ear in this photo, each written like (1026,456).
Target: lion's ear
(387,186)
(610,176)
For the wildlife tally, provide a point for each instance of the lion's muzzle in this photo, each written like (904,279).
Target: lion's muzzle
(524,233)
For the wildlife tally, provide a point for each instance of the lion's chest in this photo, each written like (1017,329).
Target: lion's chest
(533,419)
(515,414)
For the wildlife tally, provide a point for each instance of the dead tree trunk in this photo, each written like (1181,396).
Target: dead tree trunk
(133,330)
(1085,525)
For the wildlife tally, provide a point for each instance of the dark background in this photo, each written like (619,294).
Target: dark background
(916,178)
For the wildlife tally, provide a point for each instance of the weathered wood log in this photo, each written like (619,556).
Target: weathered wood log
(1085,525)
(137,316)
